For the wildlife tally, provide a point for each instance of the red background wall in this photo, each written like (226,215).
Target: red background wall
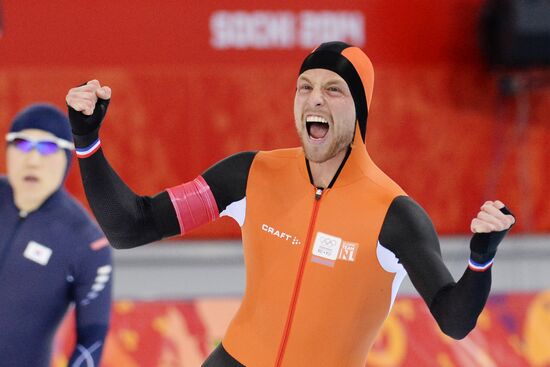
(437,124)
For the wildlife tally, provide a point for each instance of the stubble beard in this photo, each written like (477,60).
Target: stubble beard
(323,153)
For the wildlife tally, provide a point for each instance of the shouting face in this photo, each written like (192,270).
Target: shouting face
(324,114)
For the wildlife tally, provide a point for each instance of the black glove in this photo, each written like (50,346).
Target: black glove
(483,246)
(82,124)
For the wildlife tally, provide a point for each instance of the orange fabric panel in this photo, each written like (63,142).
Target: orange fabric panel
(306,305)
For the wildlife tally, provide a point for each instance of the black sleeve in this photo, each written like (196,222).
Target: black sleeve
(129,220)
(408,232)
(227,178)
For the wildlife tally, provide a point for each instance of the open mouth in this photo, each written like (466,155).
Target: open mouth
(317,127)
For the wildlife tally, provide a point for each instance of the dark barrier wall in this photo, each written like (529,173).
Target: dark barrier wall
(195,83)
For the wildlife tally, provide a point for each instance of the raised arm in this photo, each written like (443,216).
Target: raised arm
(409,233)
(127,219)
(131,220)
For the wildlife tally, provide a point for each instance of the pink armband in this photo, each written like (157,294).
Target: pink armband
(194,204)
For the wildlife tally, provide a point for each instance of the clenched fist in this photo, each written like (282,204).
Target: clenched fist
(489,226)
(87,106)
(492,217)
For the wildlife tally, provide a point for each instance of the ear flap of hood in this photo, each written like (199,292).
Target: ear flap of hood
(354,66)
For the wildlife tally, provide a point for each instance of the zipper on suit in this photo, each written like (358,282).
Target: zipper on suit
(299,276)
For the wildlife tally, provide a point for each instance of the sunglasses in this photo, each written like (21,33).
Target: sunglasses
(44,147)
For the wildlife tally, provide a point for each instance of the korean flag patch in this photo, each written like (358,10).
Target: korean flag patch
(38,253)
